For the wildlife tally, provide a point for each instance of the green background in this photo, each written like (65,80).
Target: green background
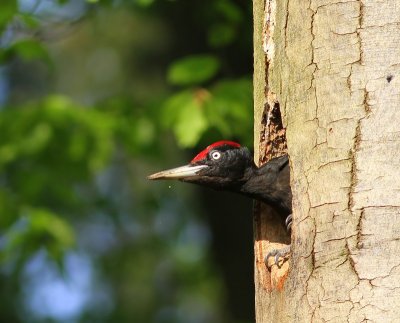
(94,96)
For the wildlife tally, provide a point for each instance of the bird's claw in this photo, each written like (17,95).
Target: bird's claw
(280,257)
(288,222)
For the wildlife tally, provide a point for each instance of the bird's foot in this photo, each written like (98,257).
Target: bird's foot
(280,256)
(288,222)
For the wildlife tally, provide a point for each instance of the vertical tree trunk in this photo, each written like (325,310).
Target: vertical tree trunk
(333,70)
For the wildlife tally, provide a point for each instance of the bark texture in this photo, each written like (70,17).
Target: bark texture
(270,141)
(333,68)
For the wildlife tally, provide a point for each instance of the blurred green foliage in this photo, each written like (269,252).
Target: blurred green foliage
(191,112)
(192,70)
(27,49)
(37,227)
(92,92)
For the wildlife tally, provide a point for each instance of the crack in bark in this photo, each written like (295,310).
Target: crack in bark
(337,239)
(359,243)
(312,82)
(285,28)
(351,260)
(332,162)
(322,204)
(360,27)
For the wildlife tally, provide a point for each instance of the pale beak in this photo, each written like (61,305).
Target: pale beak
(179,172)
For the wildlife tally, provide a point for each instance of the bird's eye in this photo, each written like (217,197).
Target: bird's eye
(216,155)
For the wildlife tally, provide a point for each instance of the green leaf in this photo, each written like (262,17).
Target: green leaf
(144,3)
(194,69)
(172,107)
(38,139)
(229,10)
(220,35)
(192,123)
(8,10)
(35,229)
(30,49)
(45,222)
(29,20)
(184,113)
(27,50)
(229,109)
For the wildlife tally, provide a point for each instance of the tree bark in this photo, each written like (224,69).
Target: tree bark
(332,68)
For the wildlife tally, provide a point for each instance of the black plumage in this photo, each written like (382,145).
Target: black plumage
(226,165)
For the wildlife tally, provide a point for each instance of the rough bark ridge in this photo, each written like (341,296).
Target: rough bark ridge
(270,141)
(334,69)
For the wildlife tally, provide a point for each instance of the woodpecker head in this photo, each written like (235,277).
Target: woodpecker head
(221,165)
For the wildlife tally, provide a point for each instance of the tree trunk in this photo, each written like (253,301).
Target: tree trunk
(333,70)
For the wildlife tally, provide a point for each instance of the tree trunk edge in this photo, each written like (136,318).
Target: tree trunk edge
(269,142)
(340,94)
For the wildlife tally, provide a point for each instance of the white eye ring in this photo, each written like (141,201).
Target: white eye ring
(216,155)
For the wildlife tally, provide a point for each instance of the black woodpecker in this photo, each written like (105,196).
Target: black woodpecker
(227,166)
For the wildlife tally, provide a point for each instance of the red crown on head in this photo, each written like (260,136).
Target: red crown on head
(203,153)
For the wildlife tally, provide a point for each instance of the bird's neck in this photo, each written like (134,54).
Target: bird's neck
(258,185)
(252,180)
